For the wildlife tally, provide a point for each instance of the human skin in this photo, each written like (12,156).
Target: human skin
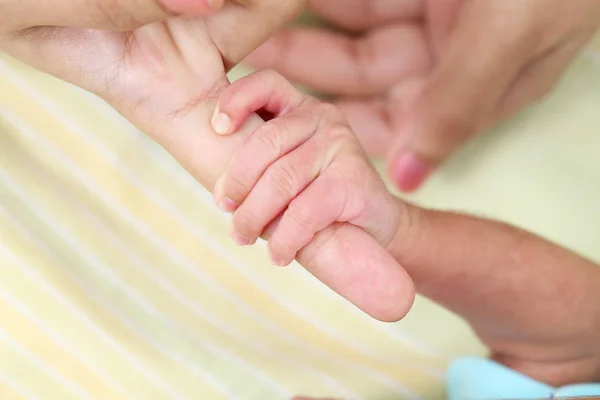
(535,305)
(418,78)
(165,77)
(163,72)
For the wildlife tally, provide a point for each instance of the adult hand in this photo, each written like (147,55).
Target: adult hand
(535,305)
(164,72)
(424,76)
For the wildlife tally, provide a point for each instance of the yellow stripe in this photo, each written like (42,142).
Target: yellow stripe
(87,340)
(8,391)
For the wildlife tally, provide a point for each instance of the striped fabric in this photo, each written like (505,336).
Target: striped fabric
(118,280)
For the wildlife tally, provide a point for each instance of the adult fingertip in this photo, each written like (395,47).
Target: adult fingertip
(396,308)
(193,7)
(409,171)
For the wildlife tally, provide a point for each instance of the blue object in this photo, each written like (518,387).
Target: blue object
(474,378)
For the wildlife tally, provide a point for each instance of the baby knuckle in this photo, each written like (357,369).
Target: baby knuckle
(339,131)
(302,215)
(237,185)
(331,111)
(269,75)
(270,138)
(283,178)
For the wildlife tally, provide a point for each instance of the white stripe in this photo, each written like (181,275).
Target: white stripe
(215,246)
(592,55)
(31,274)
(25,353)
(136,296)
(40,325)
(57,295)
(17,387)
(211,243)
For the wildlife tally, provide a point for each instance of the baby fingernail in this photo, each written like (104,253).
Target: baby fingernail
(221,123)
(278,263)
(275,261)
(240,240)
(227,205)
(411,171)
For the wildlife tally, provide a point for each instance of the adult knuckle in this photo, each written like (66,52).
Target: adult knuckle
(455,126)
(364,55)
(339,141)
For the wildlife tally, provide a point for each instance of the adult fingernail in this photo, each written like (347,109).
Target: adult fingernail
(240,240)
(221,123)
(227,205)
(410,172)
(192,7)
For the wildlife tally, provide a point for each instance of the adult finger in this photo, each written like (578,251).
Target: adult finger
(452,257)
(352,263)
(537,79)
(338,64)
(364,14)
(481,60)
(373,119)
(369,119)
(243,27)
(98,14)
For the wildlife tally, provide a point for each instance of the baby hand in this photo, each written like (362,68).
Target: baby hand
(298,173)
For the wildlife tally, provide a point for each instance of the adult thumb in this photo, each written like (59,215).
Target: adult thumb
(483,54)
(119,15)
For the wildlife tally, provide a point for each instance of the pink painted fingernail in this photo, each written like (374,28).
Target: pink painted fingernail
(410,172)
(240,240)
(227,205)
